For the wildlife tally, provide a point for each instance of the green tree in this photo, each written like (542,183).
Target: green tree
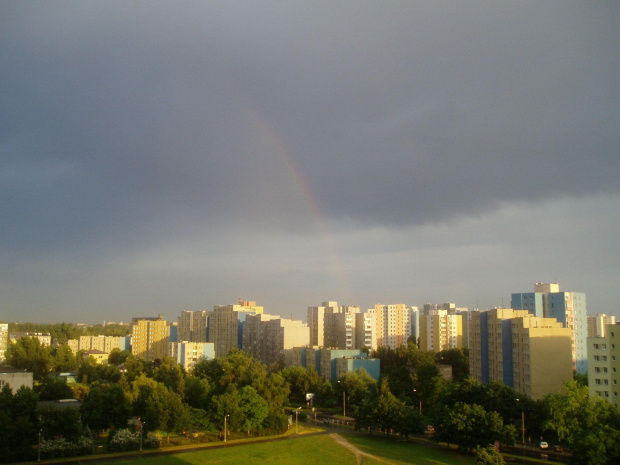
(488,456)
(27,353)
(54,389)
(60,422)
(254,408)
(19,423)
(64,359)
(118,356)
(165,411)
(458,359)
(171,374)
(588,425)
(468,426)
(357,386)
(408,421)
(196,392)
(387,409)
(106,406)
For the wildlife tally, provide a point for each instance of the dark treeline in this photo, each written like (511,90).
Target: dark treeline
(63,332)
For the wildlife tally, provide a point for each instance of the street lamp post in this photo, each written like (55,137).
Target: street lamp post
(344,400)
(225,417)
(415,390)
(522,422)
(296,415)
(142,434)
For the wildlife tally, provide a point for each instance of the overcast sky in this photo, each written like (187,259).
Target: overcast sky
(157,157)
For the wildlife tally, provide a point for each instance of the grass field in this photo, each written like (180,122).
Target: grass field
(310,451)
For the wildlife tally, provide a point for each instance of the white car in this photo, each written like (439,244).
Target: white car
(544,445)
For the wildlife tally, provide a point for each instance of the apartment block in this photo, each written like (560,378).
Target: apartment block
(282,334)
(328,368)
(102,343)
(528,353)
(226,325)
(339,329)
(193,326)
(149,337)
(541,356)
(365,331)
(255,334)
(190,353)
(441,331)
(393,324)
(568,308)
(44,339)
(597,325)
(4,339)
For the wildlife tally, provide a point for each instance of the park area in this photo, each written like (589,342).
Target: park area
(335,448)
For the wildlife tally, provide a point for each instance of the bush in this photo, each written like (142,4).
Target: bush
(60,447)
(488,456)
(124,440)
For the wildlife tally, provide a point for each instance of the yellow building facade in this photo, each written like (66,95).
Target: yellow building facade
(441,331)
(149,337)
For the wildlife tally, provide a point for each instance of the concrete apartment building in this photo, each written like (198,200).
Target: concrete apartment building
(282,334)
(254,335)
(193,326)
(266,336)
(528,353)
(44,339)
(542,363)
(597,325)
(604,365)
(568,308)
(441,331)
(226,325)
(341,326)
(392,323)
(189,353)
(103,343)
(149,337)
(365,331)
(340,332)
(4,339)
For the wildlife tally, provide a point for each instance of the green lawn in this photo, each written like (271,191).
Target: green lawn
(397,452)
(310,451)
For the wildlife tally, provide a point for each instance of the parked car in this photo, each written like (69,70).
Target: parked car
(543,445)
(558,448)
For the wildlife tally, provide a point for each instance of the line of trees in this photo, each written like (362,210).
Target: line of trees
(411,394)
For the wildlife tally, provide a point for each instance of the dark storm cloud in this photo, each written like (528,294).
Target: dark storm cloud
(395,112)
(148,131)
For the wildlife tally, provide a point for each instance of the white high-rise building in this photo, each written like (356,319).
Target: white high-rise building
(597,324)
(393,324)
(441,331)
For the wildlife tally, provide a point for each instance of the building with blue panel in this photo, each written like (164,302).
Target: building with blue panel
(568,308)
(533,302)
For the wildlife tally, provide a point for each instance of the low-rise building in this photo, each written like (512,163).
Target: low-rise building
(15,378)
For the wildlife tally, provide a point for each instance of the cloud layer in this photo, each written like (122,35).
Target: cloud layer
(159,156)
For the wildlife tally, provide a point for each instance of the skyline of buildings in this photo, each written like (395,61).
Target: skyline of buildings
(511,345)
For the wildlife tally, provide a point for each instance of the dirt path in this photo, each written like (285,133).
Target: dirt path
(359,454)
